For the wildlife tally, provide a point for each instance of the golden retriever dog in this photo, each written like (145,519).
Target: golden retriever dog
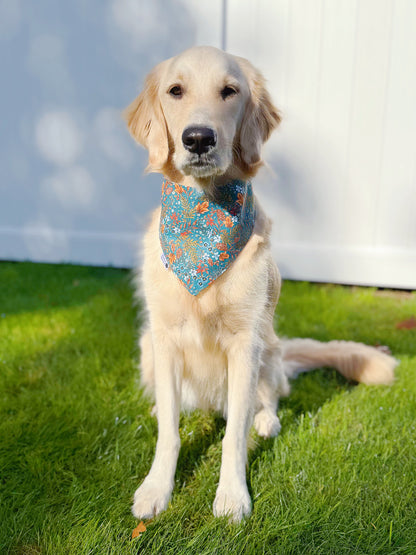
(203,117)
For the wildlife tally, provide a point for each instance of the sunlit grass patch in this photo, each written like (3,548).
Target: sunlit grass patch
(77,435)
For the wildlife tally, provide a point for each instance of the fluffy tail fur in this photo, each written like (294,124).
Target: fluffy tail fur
(355,361)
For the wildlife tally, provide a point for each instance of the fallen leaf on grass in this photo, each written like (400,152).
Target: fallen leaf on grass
(408,324)
(140,528)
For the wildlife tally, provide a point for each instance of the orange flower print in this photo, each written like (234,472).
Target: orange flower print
(202,207)
(209,220)
(174,217)
(172,257)
(178,189)
(179,253)
(168,190)
(221,246)
(224,256)
(201,269)
(228,222)
(220,215)
(240,199)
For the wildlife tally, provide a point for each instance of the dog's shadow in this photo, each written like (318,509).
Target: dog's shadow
(309,392)
(201,432)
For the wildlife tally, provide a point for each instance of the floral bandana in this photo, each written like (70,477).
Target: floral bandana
(200,238)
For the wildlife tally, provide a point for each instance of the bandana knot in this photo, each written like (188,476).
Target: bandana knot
(201,237)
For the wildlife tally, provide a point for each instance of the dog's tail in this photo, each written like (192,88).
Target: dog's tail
(355,361)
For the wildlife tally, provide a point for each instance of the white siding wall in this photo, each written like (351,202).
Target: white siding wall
(341,182)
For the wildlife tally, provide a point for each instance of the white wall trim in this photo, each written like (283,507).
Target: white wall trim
(375,266)
(46,244)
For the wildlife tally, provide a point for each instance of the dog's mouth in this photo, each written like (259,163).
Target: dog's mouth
(202,165)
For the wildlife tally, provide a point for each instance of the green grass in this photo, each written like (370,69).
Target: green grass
(76,435)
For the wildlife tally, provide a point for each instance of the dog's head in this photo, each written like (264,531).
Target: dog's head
(203,113)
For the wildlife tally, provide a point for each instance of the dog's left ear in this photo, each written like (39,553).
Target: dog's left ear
(260,118)
(146,123)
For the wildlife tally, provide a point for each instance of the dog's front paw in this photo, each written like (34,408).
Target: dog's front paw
(150,500)
(266,424)
(234,503)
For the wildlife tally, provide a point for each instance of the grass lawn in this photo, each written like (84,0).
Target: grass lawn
(77,437)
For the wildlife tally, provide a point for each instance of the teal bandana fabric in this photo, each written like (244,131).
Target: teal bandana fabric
(201,238)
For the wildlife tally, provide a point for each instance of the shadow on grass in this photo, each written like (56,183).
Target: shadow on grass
(200,431)
(309,392)
(207,429)
(27,287)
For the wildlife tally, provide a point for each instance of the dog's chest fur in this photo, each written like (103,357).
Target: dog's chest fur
(202,329)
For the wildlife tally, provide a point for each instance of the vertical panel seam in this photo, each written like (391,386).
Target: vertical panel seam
(351,110)
(376,232)
(224,24)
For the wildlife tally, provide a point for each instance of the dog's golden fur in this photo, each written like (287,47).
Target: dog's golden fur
(218,350)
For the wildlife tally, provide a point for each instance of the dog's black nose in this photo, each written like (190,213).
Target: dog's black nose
(199,139)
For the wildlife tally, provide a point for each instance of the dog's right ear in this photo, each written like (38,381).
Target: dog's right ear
(146,123)
(261,117)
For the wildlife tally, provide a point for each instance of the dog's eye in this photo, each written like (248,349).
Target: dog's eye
(176,91)
(228,91)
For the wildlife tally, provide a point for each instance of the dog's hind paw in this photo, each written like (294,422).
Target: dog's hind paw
(266,424)
(150,500)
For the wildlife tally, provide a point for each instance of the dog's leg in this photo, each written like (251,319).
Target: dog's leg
(266,421)
(153,495)
(232,498)
(273,383)
(146,361)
